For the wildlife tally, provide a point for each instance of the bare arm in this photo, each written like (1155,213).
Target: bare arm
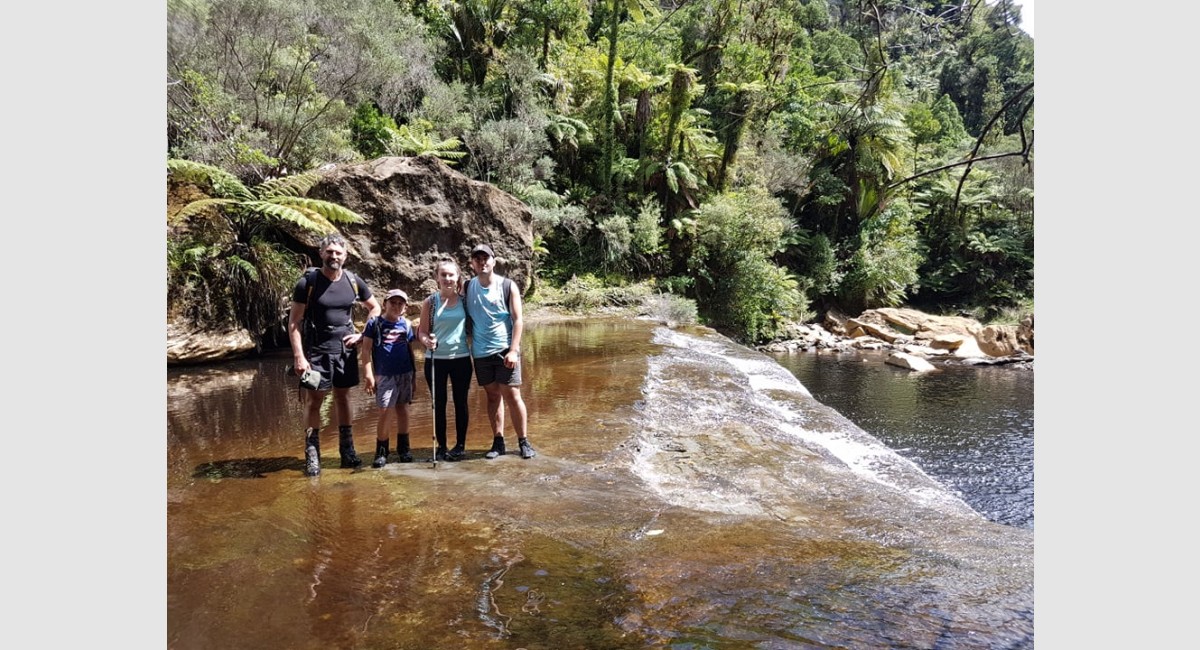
(295,337)
(368,364)
(518,328)
(424,331)
(373,307)
(373,310)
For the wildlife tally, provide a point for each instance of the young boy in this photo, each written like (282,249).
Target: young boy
(388,372)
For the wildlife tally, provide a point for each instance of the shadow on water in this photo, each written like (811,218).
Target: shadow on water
(688,493)
(247,467)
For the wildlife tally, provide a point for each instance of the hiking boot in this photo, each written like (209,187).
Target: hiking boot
(456,454)
(497,448)
(312,453)
(381,453)
(440,454)
(350,459)
(526,448)
(312,461)
(402,452)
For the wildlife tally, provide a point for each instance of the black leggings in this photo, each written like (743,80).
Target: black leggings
(459,371)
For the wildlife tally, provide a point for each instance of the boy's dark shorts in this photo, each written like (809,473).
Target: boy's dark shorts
(338,369)
(491,368)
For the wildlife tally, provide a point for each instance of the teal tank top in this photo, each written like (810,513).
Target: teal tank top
(491,323)
(450,328)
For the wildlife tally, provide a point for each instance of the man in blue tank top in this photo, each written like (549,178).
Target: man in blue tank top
(497,326)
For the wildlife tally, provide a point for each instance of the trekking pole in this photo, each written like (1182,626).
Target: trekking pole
(433,399)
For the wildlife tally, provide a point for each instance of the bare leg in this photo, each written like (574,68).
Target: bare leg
(516,405)
(341,403)
(312,407)
(383,429)
(495,406)
(401,419)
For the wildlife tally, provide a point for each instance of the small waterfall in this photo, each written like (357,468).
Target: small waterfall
(709,399)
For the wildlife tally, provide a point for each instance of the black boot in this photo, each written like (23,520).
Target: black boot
(456,454)
(346,448)
(381,453)
(312,452)
(402,450)
(497,447)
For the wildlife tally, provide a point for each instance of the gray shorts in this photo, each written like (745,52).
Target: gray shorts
(391,390)
(491,368)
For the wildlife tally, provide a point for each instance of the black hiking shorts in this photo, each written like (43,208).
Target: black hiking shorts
(338,369)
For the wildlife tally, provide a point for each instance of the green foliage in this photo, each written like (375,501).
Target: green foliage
(415,140)
(260,86)
(215,285)
(505,151)
(737,285)
(371,130)
(922,124)
(589,293)
(759,299)
(885,265)
(670,309)
(271,204)
(734,149)
(228,264)
(647,235)
(836,54)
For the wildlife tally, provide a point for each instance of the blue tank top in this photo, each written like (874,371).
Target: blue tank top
(449,325)
(490,321)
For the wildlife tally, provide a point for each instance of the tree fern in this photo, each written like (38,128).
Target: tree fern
(286,213)
(238,276)
(331,211)
(217,181)
(196,207)
(416,142)
(297,185)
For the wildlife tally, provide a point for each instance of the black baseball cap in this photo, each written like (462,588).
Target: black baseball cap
(482,248)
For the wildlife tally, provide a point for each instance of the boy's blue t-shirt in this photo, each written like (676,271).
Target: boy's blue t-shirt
(390,345)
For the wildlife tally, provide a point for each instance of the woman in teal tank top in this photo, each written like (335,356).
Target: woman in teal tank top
(443,332)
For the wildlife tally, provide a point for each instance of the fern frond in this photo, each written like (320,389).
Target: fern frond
(245,267)
(297,185)
(196,207)
(220,182)
(286,213)
(196,253)
(331,211)
(538,195)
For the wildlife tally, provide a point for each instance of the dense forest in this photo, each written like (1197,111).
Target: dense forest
(768,159)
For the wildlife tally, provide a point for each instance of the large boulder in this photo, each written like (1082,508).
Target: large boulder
(966,337)
(186,344)
(419,210)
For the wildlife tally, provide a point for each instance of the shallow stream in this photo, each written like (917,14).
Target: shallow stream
(689,493)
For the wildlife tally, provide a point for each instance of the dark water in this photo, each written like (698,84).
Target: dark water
(689,493)
(971,427)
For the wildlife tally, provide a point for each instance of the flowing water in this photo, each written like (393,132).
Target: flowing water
(689,493)
(971,427)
